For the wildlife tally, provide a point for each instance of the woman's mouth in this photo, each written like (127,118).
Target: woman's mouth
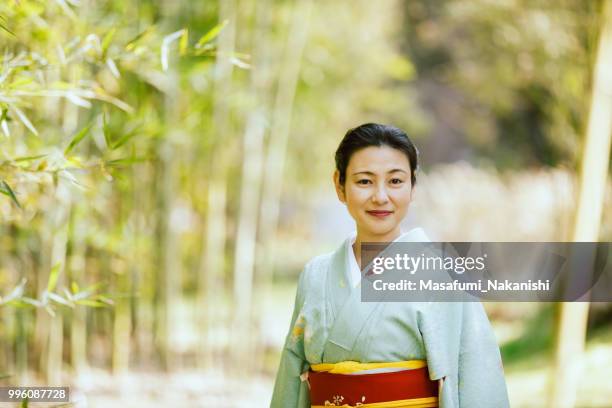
(379,213)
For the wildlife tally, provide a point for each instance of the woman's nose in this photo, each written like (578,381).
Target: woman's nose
(380,196)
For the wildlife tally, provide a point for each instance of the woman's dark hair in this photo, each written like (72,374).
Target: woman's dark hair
(374,134)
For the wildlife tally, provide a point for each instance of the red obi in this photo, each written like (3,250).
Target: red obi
(395,387)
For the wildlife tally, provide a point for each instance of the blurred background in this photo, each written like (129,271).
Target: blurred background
(165,170)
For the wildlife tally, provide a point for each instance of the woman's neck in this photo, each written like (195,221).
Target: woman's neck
(365,237)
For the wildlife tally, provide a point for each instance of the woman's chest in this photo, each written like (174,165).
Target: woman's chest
(348,329)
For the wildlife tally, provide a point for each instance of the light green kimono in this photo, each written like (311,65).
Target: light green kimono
(330,324)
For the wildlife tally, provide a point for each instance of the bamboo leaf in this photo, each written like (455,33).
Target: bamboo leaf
(165,47)
(240,63)
(21,82)
(3,376)
(67,175)
(31,302)
(53,275)
(24,119)
(184,42)
(106,41)
(78,137)
(19,304)
(125,161)
(58,299)
(68,295)
(124,139)
(212,33)
(5,74)
(132,43)
(105,299)
(8,191)
(106,129)
(104,96)
(87,292)
(16,293)
(5,128)
(206,50)
(42,165)
(29,158)
(77,100)
(90,303)
(110,63)
(3,27)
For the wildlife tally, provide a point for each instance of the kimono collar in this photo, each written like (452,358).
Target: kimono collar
(347,313)
(338,284)
(414,235)
(353,274)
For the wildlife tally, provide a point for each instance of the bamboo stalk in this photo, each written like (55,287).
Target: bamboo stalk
(594,172)
(281,122)
(250,190)
(21,346)
(121,338)
(75,270)
(276,151)
(53,369)
(212,262)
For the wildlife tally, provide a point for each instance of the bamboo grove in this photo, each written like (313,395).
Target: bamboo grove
(157,157)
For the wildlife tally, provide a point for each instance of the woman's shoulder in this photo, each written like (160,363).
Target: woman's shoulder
(317,268)
(319,261)
(317,264)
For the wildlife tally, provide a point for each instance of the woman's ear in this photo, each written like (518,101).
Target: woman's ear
(339,187)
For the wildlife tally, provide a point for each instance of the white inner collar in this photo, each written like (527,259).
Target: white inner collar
(354,273)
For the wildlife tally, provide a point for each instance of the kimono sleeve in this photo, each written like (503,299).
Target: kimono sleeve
(289,389)
(481,381)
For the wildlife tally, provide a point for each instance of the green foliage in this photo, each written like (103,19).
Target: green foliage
(90,296)
(517,74)
(82,125)
(8,191)
(211,35)
(111,115)
(77,138)
(64,63)
(3,26)
(536,338)
(53,275)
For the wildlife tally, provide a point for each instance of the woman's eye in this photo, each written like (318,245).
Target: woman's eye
(396,181)
(363,181)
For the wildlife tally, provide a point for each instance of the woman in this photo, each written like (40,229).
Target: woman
(344,352)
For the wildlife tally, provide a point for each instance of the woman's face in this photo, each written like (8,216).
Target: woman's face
(377,190)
